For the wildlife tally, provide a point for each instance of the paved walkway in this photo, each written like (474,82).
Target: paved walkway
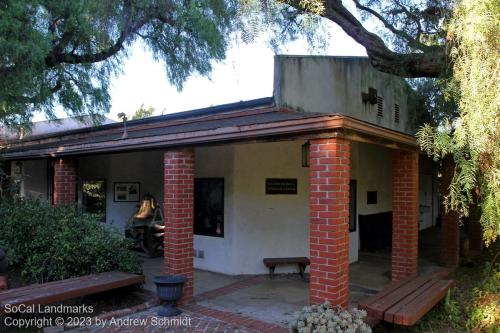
(195,317)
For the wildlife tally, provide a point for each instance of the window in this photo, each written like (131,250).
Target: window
(94,198)
(396,113)
(209,207)
(380,106)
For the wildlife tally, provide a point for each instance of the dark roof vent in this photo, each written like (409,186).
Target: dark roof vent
(380,106)
(396,113)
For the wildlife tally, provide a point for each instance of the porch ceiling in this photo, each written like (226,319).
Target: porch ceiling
(259,123)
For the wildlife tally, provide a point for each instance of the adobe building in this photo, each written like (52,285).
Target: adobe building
(327,166)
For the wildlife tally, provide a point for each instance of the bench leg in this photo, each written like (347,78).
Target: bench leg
(302,269)
(271,272)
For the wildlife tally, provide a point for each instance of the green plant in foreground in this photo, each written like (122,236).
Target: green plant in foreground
(325,319)
(52,243)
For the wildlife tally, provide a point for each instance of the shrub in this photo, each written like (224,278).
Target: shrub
(53,243)
(484,310)
(324,319)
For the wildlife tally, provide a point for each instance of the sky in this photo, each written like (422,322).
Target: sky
(247,73)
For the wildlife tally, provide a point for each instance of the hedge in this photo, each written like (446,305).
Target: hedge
(52,243)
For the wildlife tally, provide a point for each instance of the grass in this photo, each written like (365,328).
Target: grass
(474,305)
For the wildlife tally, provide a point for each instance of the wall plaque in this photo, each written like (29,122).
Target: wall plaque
(281,186)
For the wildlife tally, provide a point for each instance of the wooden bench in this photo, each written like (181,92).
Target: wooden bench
(302,262)
(408,300)
(58,291)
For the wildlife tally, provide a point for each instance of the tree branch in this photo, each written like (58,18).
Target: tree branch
(411,41)
(430,63)
(57,56)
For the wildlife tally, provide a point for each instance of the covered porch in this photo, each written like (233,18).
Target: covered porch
(275,300)
(287,184)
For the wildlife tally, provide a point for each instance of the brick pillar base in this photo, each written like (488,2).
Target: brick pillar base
(178,196)
(65,181)
(450,231)
(329,228)
(405,214)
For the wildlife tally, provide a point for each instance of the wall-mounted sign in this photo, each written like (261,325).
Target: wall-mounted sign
(281,186)
(127,192)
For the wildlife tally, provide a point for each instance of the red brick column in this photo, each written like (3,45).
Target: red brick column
(450,232)
(178,196)
(65,181)
(329,228)
(405,214)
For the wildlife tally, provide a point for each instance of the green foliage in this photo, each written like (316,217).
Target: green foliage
(52,243)
(64,53)
(434,104)
(325,319)
(143,112)
(473,138)
(484,312)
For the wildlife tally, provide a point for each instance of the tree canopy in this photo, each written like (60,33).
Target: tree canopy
(143,112)
(473,138)
(64,52)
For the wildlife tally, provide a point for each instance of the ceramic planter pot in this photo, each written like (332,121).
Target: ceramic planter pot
(169,290)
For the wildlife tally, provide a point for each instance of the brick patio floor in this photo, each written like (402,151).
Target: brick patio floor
(195,318)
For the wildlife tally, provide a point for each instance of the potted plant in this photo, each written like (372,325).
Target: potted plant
(169,290)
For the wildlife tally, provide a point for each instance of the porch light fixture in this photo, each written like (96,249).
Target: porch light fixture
(306,154)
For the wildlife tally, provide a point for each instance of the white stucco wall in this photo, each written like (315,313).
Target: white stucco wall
(143,167)
(270,225)
(429,203)
(256,225)
(217,251)
(371,168)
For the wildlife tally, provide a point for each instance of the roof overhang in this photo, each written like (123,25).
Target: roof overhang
(291,125)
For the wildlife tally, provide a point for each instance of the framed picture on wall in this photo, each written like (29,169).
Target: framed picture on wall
(127,192)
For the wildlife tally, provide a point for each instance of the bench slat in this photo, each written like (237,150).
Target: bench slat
(363,304)
(93,278)
(416,309)
(71,288)
(283,261)
(378,308)
(390,312)
(408,300)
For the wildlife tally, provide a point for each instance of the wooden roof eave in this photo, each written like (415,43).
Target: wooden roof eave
(310,127)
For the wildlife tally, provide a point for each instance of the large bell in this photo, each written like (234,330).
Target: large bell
(146,210)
